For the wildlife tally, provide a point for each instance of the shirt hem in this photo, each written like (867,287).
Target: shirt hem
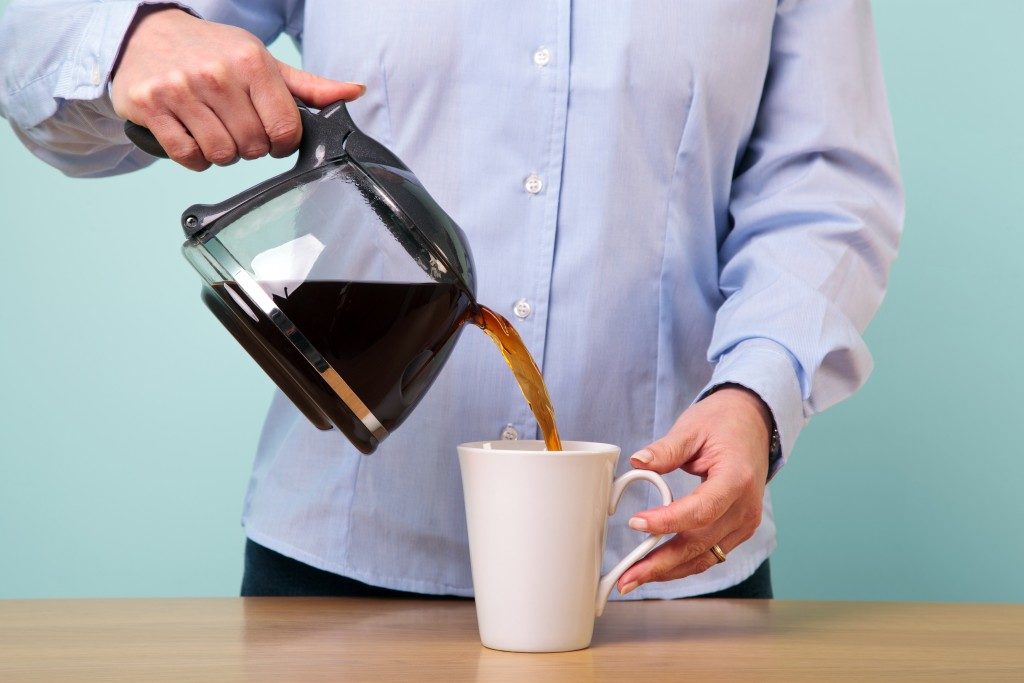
(657,591)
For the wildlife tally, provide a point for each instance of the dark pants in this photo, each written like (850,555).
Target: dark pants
(271,573)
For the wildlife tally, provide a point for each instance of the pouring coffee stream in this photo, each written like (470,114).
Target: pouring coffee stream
(346,282)
(524,367)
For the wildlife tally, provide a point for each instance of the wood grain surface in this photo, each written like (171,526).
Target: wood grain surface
(312,639)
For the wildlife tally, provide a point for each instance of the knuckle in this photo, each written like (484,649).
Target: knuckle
(745,480)
(285,129)
(658,569)
(642,571)
(690,439)
(142,96)
(660,521)
(672,451)
(249,54)
(752,516)
(181,155)
(660,452)
(703,564)
(212,76)
(183,152)
(647,575)
(694,549)
(707,510)
(221,155)
(174,82)
(254,150)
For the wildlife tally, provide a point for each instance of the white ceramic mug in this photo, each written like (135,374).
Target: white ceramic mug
(536,536)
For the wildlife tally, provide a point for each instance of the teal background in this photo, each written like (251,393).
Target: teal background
(129,418)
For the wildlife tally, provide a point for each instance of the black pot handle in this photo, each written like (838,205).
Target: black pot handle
(324,136)
(144,139)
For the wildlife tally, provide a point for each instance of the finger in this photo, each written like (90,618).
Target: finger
(671,451)
(219,87)
(701,508)
(317,91)
(179,145)
(235,110)
(706,560)
(681,550)
(212,137)
(278,114)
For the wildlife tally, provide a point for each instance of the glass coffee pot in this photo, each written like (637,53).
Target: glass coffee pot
(342,278)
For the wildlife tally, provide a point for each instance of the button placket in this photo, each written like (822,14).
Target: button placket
(542,187)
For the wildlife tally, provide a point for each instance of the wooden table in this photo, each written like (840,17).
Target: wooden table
(300,639)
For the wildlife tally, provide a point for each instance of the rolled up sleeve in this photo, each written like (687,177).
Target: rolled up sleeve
(56,59)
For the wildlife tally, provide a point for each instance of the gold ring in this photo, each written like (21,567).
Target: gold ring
(717,552)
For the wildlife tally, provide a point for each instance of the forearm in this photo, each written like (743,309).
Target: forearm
(57,57)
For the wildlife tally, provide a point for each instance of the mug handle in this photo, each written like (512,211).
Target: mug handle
(604,587)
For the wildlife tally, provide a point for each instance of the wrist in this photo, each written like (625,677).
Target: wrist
(142,15)
(749,398)
(744,396)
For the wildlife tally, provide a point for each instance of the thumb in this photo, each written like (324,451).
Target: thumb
(670,452)
(317,91)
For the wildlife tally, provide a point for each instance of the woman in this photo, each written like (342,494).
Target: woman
(690,209)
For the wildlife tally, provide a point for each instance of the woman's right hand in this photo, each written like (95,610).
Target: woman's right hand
(212,93)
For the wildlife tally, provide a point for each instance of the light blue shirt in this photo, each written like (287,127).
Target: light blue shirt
(684,194)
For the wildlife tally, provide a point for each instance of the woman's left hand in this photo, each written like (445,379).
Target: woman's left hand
(724,439)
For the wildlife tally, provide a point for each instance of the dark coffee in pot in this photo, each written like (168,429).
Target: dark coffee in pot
(385,342)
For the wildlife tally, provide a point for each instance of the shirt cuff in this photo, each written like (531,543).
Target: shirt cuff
(86,67)
(770,371)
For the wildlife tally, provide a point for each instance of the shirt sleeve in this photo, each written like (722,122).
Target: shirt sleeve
(55,62)
(816,213)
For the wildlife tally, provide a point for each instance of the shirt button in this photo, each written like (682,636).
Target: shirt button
(522,309)
(533,184)
(96,75)
(509,433)
(542,57)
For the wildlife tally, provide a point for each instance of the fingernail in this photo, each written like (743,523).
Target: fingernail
(629,587)
(638,523)
(642,456)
